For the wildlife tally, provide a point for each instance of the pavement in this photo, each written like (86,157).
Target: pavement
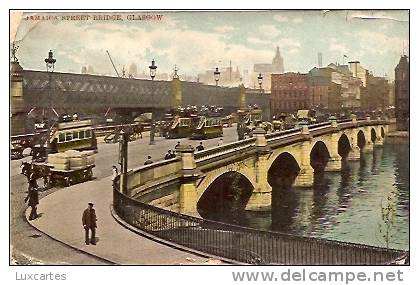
(60,218)
(30,246)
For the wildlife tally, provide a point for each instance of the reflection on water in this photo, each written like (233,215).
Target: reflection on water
(345,205)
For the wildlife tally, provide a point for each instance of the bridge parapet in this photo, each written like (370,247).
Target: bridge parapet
(202,156)
(141,178)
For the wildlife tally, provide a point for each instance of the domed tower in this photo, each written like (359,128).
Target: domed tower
(277,62)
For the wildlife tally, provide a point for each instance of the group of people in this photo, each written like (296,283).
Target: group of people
(88,218)
(172,153)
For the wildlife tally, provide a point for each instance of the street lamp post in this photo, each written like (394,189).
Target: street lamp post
(123,160)
(50,64)
(175,75)
(260,80)
(216,76)
(153,69)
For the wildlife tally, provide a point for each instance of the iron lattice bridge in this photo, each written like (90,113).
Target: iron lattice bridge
(69,90)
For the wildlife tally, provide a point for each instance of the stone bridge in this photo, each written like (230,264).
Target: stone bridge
(182,183)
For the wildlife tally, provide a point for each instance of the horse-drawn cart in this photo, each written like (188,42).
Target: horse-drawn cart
(54,177)
(71,176)
(63,169)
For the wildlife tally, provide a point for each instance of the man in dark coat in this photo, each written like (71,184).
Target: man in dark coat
(200,147)
(32,198)
(89,222)
(168,155)
(148,161)
(173,155)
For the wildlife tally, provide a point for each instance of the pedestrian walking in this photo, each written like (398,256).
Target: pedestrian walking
(220,142)
(89,223)
(32,198)
(177,145)
(200,147)
(114,174)
(148,161)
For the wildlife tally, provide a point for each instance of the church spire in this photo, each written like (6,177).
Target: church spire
(278,62)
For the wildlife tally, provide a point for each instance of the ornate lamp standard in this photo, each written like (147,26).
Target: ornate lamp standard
(50,64)
(260,80)
(153,69)
(216,76)
(175,75)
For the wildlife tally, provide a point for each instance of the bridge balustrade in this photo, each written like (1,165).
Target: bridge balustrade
(151,174)
(224,149)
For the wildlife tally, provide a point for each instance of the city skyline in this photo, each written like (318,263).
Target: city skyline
(195,44)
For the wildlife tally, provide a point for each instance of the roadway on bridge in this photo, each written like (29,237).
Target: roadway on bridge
(32,246)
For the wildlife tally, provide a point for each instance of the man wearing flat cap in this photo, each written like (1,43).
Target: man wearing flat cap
(89,222)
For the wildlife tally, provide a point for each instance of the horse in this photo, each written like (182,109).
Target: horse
(25,168)
(137,130)
(33,171)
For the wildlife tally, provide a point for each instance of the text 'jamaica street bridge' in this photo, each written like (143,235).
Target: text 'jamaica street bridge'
(164,198)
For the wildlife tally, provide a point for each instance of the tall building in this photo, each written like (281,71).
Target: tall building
(289,93)
(402,93)
(266,69)
(350,85)
(325,88)
(358,71)
(132,70)
(376,95)
(87,69)
(90,69)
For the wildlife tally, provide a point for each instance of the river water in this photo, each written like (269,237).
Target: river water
(347,205)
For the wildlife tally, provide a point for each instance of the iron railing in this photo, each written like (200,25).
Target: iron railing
(245,244)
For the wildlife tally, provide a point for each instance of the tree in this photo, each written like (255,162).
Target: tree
(388,213)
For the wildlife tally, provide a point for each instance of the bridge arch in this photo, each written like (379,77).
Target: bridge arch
(225,197)
(383,133)
(283,170)
(319,156)
(361,138)
(373,134)
(294,151)
(344,145)
(214,175)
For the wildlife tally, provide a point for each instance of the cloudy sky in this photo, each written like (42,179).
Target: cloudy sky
(198,41)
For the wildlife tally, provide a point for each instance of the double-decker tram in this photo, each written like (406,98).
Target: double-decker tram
(72,135)
(249,119)
(207,127)
(197,123)
(181,127)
